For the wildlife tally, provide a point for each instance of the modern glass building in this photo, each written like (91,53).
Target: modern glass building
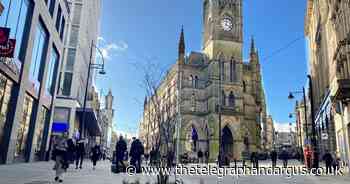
(29,80)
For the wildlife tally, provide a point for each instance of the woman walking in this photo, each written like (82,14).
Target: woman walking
(60,156)
(95,155)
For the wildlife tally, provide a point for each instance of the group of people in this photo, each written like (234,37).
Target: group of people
(66,151)
(136,152)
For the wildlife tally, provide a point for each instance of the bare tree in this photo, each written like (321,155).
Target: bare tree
(161,109)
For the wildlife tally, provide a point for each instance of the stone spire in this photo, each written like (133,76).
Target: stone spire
(252,46)
(145,102)
(182,47)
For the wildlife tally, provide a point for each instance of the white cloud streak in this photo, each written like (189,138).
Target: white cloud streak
(111,49)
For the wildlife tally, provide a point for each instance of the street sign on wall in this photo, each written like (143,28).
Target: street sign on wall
(8,50)
(4,36)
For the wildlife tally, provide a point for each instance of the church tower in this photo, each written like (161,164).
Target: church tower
(222,21)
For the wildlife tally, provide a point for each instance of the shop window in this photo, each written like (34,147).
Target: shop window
(22,131)
(39,133)
(5,94)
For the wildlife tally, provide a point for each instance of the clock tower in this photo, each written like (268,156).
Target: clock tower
(222,21)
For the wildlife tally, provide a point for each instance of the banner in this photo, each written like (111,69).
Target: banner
(8,51)
(4,36)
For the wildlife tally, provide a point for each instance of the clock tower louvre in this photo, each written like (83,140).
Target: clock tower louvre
(222,24)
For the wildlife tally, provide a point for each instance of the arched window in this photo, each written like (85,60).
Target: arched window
(222,70)
(231,100)
(232,70)
(196,82)
(223,98)
(244,87)
(193,102)
(191,80)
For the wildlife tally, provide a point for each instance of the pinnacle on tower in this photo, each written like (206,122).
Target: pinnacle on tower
(182,47)
(252,47)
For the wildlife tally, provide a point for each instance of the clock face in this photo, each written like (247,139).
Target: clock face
(226,24)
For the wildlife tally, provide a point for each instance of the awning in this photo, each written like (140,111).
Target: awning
(91,122)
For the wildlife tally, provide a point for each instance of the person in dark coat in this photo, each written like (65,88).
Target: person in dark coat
(284,157)
(95,155)
(328,159)
(70,151)
(121,148)
(254,159)
(136,151)
(152,156)
(200,156)
(273,158)
(79,154)
(170,158)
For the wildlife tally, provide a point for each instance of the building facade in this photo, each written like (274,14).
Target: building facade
(270,131)
(328,34)
(80,48)
(29,71)
(209,84)
(107,114)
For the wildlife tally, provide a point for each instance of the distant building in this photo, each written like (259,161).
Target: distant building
(287,140)
(270,131)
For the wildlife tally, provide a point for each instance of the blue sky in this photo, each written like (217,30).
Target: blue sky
(134,31)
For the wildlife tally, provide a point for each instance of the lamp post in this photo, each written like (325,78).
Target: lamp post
(291,96)
(101,68)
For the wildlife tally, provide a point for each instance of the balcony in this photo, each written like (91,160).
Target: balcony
(343,90)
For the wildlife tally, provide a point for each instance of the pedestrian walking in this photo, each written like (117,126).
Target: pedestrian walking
(120,148)
(328,159)
(95,155)
(80,153)
(200,156)
(254,159)
(207,157)
(170,158)
(70,151)
(284,157)
(273,158)
(60,156)
(136,151)
(152,157)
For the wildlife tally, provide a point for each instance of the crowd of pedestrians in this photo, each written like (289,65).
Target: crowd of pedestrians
(66,151)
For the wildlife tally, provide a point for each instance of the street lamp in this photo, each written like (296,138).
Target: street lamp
(95,66)
(291,97)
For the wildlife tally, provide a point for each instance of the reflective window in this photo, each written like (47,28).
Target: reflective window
(38,52)
(22,131)
(70,59)
(39,133)
(67,83)
(50,85)
(16,20)
(5,94)
(51,5)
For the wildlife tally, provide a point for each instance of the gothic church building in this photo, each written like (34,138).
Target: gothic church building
(207,80)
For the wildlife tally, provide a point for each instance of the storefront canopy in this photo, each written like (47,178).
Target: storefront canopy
(91,122)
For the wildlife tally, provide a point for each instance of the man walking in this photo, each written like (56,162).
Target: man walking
(120,148)
(200,156)
(80,153)
(273,158)
(136,151)
(284,157)
(328,159)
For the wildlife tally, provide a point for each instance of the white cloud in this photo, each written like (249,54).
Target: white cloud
(110,49)
(284,127)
